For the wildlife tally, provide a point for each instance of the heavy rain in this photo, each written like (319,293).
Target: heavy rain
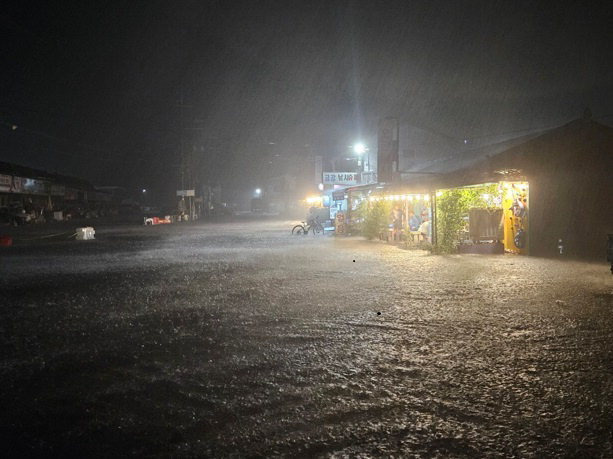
(313,229)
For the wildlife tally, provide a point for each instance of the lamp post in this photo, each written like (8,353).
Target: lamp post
(360,149)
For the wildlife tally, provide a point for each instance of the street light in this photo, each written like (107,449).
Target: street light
(144,190)
(359,148)
(258,192)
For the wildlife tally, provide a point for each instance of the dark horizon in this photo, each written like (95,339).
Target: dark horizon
(96,90)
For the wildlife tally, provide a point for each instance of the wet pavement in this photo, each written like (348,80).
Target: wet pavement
(237,339)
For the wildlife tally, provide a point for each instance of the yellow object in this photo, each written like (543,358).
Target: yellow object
(515,195)
(314,200)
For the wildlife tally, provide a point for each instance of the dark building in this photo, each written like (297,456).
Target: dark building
(44,190)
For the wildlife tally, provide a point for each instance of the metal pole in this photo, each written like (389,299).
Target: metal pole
(182,142)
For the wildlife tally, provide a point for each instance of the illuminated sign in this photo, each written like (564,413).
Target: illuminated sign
(341,178)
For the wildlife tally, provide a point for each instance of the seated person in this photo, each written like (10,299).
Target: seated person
(425,229)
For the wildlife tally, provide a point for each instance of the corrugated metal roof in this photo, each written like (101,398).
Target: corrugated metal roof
(465,159)
(28,172)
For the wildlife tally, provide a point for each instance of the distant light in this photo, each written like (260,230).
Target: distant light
(465,141)
(14,127)
(320,187)
(144,190)
(359,148)
(258,191)
(313,199)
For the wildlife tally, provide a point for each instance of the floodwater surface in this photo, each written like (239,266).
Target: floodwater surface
(240,339)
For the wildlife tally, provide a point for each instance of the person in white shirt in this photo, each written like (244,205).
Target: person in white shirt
(425,229)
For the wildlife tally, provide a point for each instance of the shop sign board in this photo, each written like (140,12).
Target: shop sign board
(5,182)
(341,178)
(338,195)
(341,227)
(186,192)
(369,177)
(17,185)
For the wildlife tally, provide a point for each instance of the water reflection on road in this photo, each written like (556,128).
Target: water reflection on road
(238,338)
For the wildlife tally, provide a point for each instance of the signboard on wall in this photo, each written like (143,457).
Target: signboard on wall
(341,228)
(338,195)
(5,182)
(17,185)
(341,178)
(186,192)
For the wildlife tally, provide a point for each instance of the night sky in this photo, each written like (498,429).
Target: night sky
(95,87)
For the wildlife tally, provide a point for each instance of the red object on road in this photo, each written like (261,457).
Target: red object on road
(157,221)
(5,241)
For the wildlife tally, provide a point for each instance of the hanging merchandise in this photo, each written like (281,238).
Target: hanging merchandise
(516,215)
(519,207)
(520,239)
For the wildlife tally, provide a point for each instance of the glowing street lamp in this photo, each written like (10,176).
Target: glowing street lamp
(359,148)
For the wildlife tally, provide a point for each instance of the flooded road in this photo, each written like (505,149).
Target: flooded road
(239,339)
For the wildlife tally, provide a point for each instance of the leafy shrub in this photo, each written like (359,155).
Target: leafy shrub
(377,218)
(452,208)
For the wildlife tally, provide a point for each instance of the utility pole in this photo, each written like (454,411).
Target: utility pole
(186,166)
(182,141)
